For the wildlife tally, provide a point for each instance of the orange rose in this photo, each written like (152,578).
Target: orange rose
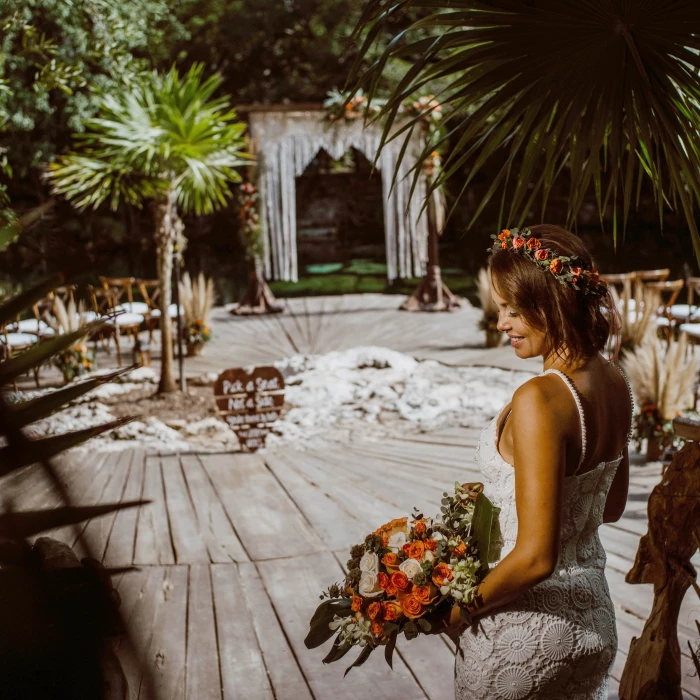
(442,573)
(576,271)
(504,245)
(399,580)
(416,550)
(595,276)
(406,548)
(534,243)
(420,528)
(392,590)
(412,606)
(356,603)
(373,609)
(430,545)
(390,560)
(460,550)
(377,629)
(556,266)
(424,593)
(383,580)
(518,242)
(542,254)
(391,611)
(575,279)
(504,234)
(392,527)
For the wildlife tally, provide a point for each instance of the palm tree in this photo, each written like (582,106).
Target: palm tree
(169,142)
(606,90)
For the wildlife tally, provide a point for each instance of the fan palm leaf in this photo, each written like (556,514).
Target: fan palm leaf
(607,90)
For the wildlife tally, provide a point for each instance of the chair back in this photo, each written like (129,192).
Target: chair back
(668,293)
(150,290)
(121,286)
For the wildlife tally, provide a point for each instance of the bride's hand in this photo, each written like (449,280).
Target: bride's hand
(474,488)
(447,621)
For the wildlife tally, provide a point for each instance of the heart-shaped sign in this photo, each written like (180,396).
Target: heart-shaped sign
(249,401)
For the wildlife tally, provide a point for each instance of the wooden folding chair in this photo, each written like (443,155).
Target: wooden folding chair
(668,294)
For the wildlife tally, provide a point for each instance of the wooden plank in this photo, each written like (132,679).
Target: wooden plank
(203,675)
(243,671)
(165,657)
(432,663)
(215,527)
(187,541)
(97,530)
(293,586)
(283,670)
(153,539)
(140,600)
(120,546)
(245,481)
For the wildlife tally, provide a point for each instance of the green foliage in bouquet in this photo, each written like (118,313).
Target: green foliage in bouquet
(402,573)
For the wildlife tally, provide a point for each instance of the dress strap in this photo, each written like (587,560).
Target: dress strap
(629,388)
(579,406)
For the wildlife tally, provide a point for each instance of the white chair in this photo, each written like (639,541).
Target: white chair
(172,311)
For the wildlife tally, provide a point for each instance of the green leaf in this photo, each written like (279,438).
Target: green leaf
(26,412)
(10,309)
(12,457)
(482,521)
(337,652)
(42,352)
(389,649)
(364,655)
(328,608)
(24,524)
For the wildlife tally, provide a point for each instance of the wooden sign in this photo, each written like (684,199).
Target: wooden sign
(249,402)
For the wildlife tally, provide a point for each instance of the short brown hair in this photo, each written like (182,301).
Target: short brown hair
(580,323)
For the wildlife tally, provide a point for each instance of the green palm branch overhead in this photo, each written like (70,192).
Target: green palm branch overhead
(169,141)
(606,91)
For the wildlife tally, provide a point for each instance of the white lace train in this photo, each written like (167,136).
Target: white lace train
(559,640)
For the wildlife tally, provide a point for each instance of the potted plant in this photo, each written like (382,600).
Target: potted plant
(78,359)
(197,299)
(489,318)
(663,378)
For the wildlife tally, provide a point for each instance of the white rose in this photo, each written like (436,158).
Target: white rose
(410,567)
(369,585)
(369,563)
(428,556)
(437,536)
(396,542)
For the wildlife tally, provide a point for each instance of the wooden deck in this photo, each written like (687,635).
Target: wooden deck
(235,548)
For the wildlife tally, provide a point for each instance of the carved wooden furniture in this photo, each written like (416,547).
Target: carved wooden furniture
(653,666)
(668,294)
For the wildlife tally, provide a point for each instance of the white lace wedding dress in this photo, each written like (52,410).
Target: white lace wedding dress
(559,639)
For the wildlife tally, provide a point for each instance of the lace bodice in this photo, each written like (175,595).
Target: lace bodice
(559,639)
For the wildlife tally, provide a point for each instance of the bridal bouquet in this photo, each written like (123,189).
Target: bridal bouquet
(403,572)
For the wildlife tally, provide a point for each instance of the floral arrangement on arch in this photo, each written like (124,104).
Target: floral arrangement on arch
(402,573)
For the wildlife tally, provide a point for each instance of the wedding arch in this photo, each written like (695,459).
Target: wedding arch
(286,138)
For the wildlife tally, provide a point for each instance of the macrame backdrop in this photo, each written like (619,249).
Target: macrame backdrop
(287,142)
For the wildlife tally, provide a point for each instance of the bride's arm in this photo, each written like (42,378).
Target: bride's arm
(539,441)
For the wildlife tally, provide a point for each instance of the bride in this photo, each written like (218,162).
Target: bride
(555,463)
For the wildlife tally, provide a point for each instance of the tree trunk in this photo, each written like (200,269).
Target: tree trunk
(165,240)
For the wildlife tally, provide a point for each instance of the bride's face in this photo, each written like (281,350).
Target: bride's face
(525,340)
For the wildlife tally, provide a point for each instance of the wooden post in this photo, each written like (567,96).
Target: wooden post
(653,666)
(432,294)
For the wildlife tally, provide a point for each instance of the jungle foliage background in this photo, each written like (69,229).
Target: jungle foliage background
(267,51)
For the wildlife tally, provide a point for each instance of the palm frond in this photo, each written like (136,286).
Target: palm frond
(606,90)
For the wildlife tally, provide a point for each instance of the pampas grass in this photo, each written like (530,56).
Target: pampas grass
(196,298)
(662,374)
(66,317)
(638,314)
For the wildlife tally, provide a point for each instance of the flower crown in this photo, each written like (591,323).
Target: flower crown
(568,271)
